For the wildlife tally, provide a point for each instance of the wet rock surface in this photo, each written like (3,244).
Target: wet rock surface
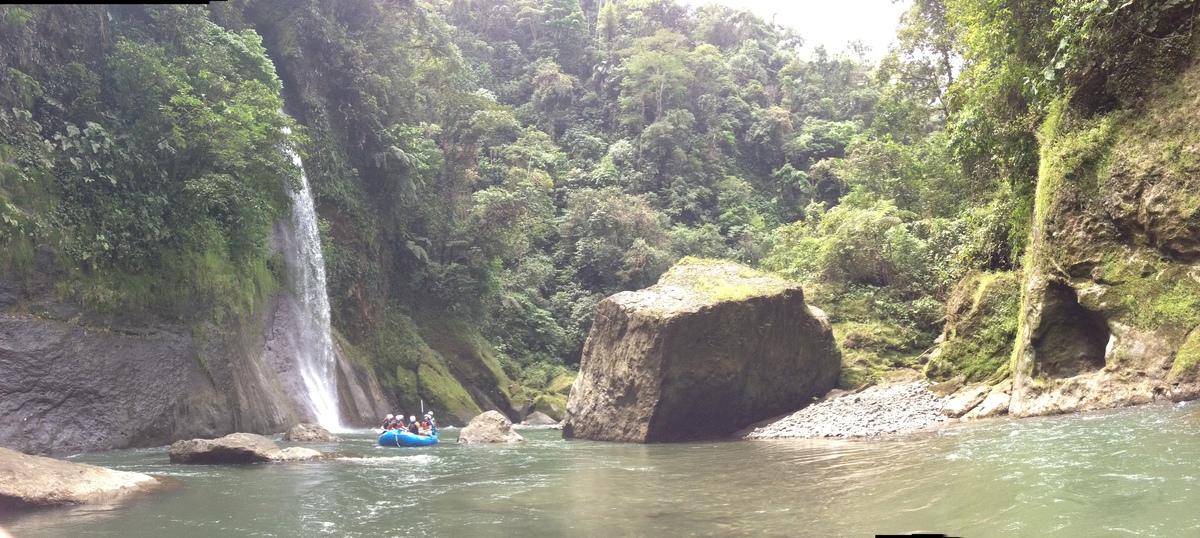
(490,427)
(77,382)
(875,411)
(35,481)
(237,448)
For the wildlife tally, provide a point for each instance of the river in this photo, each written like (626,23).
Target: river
(1116,473)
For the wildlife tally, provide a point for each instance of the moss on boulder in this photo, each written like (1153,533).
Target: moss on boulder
(1184,367)
(981,327)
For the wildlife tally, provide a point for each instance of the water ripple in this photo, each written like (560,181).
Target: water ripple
(1121,472)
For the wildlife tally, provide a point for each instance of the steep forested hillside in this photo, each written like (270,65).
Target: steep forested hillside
(487,171)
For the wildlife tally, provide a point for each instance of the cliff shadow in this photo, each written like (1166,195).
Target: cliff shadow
(1071,340)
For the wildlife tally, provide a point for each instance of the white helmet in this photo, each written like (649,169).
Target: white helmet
(390,416)
(412,419)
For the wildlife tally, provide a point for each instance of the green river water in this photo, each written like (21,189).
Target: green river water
(1129,472)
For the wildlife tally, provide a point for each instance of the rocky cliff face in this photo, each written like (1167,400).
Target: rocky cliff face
(710,349)
(1111,298)
(71,381)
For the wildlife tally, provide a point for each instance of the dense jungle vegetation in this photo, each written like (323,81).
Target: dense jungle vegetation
(487,171)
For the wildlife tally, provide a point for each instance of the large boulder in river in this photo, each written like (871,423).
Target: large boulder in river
(33,481)
(236,448)
(310,433)
(490,427)
(710,349)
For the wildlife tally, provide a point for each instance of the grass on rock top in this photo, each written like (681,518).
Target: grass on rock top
(712,281)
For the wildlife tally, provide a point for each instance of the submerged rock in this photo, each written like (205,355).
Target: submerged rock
(490,427)
(312,433)
(297,453)
(33,481)
(237,448)
(710,349)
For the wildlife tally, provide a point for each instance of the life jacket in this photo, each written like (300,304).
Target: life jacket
(414,429)
(387,423)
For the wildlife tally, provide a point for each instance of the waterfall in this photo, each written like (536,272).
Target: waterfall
(311,338)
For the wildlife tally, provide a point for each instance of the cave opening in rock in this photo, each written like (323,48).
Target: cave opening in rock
(1071,339)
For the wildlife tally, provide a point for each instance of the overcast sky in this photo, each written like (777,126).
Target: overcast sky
(832,23)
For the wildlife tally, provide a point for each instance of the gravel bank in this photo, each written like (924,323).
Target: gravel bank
(875,411)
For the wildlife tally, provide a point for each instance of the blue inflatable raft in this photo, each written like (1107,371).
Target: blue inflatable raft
(403,438)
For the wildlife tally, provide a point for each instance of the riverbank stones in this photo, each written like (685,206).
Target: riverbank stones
(875,411)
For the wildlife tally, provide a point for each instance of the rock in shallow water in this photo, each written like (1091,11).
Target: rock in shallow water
(32,481)
(490,427)
(962,402)
(995,404)
(237,448)
(311,433)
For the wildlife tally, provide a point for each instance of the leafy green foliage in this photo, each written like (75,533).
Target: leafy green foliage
(981,329)
(1107,50)
(162,150)
(510,164)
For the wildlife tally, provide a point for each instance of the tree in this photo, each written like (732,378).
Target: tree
(656,77)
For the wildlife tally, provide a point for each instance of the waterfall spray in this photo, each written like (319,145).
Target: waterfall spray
(312,341)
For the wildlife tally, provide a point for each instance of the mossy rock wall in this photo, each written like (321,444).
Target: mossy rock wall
(553,405)
(1111,295)
(445,392)
(468,361)
(561,385)
(981,328)
(441,364)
